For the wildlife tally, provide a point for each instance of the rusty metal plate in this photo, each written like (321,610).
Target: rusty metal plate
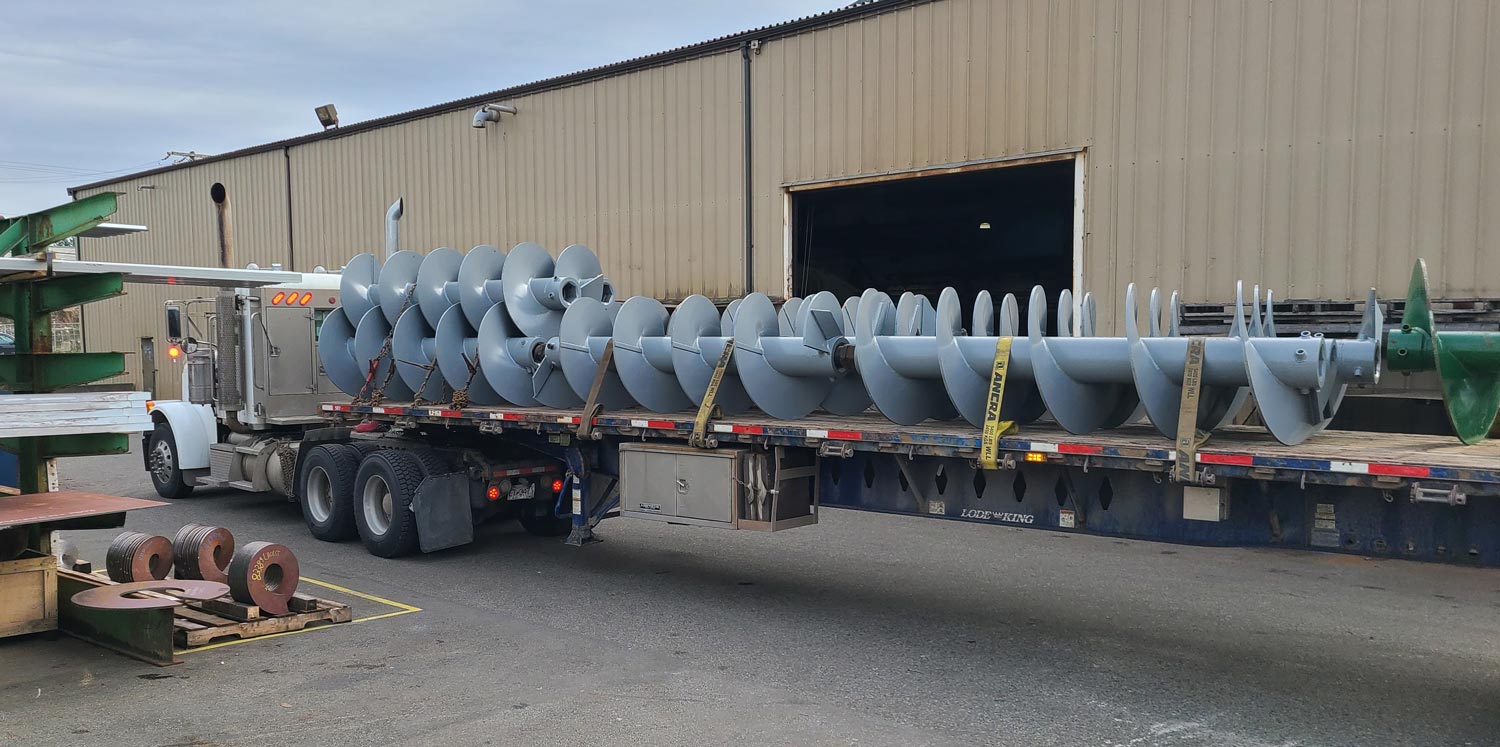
(174,591)
(264,574)
(36,508)
(136,556)
(202,552)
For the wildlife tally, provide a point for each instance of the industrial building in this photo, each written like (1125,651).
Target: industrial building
(1315,147)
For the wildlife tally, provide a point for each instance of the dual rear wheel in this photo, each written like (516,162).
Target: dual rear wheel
(350,490)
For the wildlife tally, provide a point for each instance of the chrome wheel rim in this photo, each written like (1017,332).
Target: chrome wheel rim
(163,461)
(319,494)
(378,505)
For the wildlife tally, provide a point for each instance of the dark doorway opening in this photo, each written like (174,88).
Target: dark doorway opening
(1002,229)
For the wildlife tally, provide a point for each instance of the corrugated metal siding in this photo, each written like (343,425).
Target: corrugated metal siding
(644,168)
(1318,147)
(183,230)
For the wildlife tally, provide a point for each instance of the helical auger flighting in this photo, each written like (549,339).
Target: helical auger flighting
(492,327)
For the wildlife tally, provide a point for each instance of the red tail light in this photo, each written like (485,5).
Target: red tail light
(557,486)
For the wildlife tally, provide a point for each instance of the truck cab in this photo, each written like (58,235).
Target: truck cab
(251,384)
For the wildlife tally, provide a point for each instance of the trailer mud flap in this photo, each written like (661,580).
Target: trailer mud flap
(443,516)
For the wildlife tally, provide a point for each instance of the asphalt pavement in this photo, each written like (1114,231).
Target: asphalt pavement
(864,630)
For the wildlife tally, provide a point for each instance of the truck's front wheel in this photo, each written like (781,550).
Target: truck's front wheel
(163,463)
(383,491)
(327,491)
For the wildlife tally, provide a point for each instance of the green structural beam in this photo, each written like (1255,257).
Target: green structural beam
(47,372)
(1467,363)
(27,234)
(36,297)
(81,444)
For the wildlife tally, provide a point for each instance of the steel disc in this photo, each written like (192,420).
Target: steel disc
(479,283)
(336,352)
(355,282)
(694,319)
(397,277)
(437,283)
(202,552)
(506,357)
(264,574)
(524,263)
(115,597)
(414,348)
(457,350)
(779,395)
(586,319)
(369,341)
(135,556)
(640,326)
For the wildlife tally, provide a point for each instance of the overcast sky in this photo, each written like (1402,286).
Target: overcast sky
(96,88)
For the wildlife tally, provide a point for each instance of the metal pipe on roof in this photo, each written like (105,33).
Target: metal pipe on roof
(392,227)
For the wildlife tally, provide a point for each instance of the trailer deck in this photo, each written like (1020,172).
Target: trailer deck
(1377,460)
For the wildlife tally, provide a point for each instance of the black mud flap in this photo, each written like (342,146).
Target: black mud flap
(442,509)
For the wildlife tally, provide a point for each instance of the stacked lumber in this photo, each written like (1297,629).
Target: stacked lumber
(73,412)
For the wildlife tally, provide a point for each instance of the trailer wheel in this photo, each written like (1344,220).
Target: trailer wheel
(326,492)
(165,467)
(384,487)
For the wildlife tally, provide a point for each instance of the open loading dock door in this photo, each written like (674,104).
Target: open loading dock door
(1001,229)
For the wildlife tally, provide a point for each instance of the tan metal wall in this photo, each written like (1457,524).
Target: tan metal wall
(182,231)
(644,168)
(1317,146)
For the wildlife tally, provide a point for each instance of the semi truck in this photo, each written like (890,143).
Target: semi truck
(260,413)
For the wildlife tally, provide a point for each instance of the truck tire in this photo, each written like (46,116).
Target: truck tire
(165,467)
(366,447)
(383,490)
(326,492)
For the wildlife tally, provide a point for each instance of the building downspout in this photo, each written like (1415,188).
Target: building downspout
(749,279)
(291,248)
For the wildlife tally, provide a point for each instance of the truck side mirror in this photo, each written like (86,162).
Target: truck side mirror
(174,323)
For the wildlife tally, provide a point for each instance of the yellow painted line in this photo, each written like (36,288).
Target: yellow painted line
(400,609)
(362,595)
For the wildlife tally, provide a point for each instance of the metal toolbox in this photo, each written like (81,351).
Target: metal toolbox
(730,488)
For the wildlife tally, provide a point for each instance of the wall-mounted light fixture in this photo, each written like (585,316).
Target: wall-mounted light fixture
(985,226)
(491,113)
(328,115)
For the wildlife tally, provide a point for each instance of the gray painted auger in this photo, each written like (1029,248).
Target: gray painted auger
(699,335)
(1088,383)
(797,360)
(518,327)
(448,321)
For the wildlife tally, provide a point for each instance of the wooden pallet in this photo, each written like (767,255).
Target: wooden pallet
(200,623)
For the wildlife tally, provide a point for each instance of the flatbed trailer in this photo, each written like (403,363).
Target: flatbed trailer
(1376,494)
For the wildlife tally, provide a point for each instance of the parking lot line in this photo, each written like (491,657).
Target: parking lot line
(400,609)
